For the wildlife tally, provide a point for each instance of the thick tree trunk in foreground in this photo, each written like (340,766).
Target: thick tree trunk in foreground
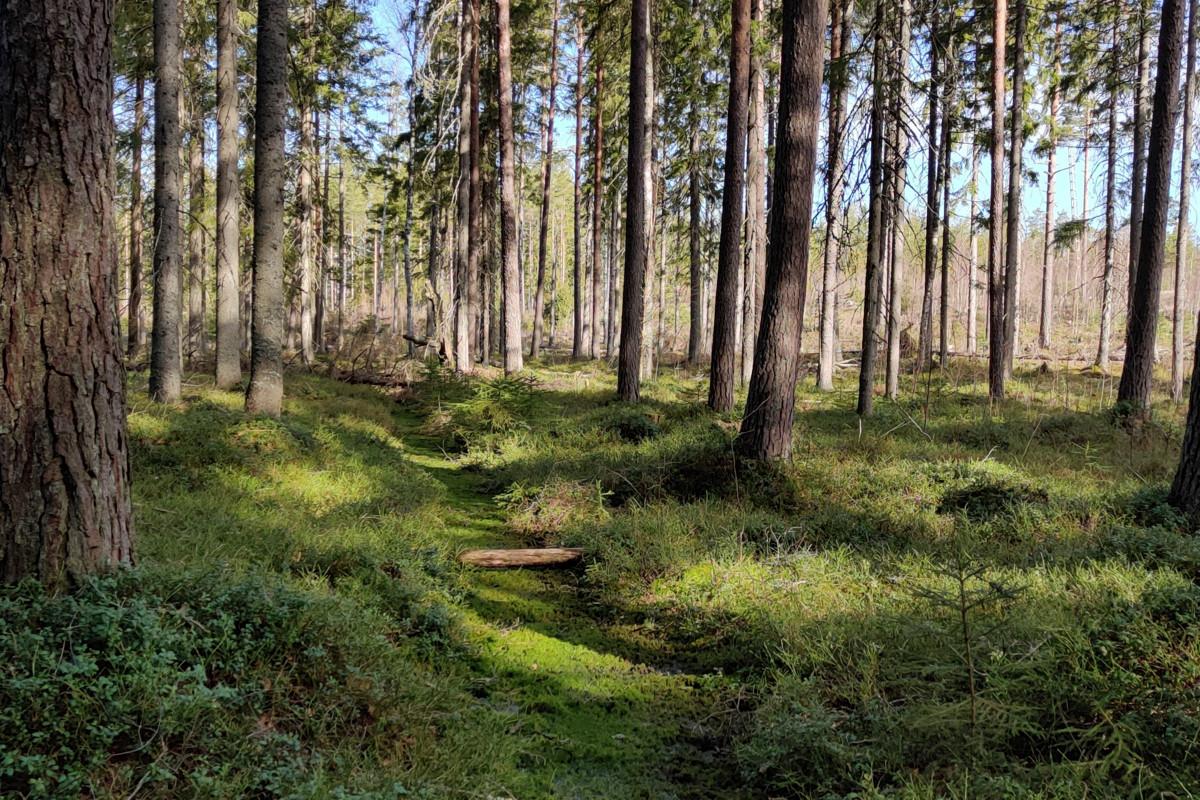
(539,295)
(729,261)
(510,271)
(996,371)
(166,367)
(839,78)
(636,238)
(264,395)
(229,360)
(875,228)
(65,508)
(134,310)
(767,427)
(1181,235)
(1134,389)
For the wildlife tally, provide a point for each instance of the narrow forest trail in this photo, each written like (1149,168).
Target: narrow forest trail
(601,704)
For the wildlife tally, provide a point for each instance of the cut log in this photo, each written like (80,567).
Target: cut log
(531,557)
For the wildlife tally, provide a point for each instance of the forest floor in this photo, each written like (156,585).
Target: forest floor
(949,599)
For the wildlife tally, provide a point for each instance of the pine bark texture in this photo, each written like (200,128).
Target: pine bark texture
(767,427)
(264,395)
(229,361)
(65,508)
(729,254)
(166,367)
(1134,388)
(510,274)
(636,236)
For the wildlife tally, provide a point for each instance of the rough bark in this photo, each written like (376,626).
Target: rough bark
(755,267)
(996,295)
(893,214)
(510,273)
(264,395)
(767,426)
(729,261)
(65,507)
(463,361)
(1110,197)
(229,360)
(166,367)
(196,340)
(1141,122)
(636,235)
(1134,389)
(933,161)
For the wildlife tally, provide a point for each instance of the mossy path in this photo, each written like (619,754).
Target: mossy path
(598,700)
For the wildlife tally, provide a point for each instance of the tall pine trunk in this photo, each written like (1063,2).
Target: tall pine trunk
(229,359)
(1181,235)
(720,388)
(539,295)
(755,267)
(839,79)
(767,426)
(1046,320)
(1134,388)
(875,227)
(510,273)
(265,392)
(1110,197)
(636,236)
(1141,122)
(166,367)
(579,323)
(1012,241)
(933,162)
(996,292)
(65,509)
(597,206)
(136,214)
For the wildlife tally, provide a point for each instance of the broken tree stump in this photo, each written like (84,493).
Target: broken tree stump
(527,557)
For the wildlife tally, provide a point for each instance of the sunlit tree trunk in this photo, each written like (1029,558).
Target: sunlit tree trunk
(166,367)
(229,360)
(65,509)
(579,322)
(539,296)
(1046,320)
(996,290)
(1012,260)
(770,406)
(1181,236)
(265,392)
(1134,388)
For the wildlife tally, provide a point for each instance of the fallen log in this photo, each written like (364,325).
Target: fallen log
(530,557)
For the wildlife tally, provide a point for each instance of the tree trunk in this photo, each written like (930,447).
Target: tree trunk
(767,426)
(265,392)
(996,292)
(1181,236)
(729,262)
(196,202)
(1134,389)
(475,237)
(1046,321)
(166,367)
(1140,124)
(944,179)
(894,209)
(933,162)
(839,80)
(510,271)
(136,213)
(1110,196)
(597,206)
(973,261)
(65,508)
(579,323)
(1012,260)
(468,107)
(539,295)
(695,266)
(636,236)
(229,359)
(755,267)
(875,227)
